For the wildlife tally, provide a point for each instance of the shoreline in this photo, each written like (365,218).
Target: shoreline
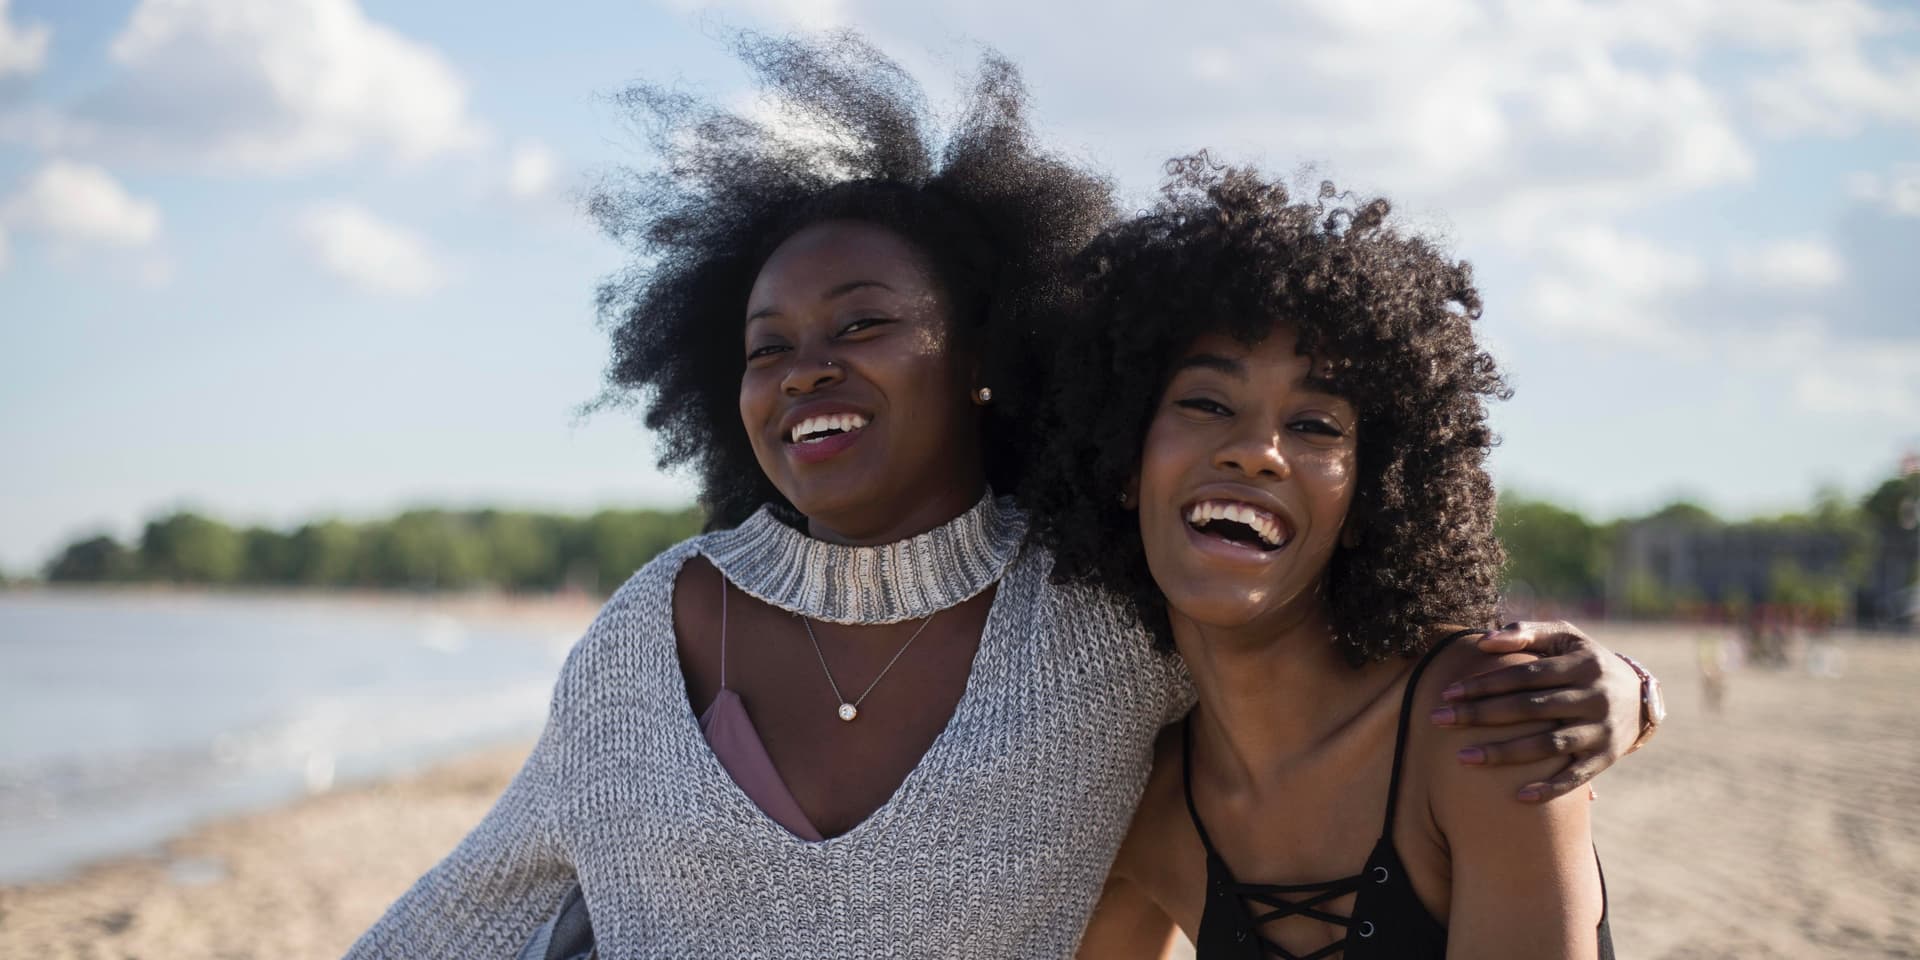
(1780,826)
(298,880)
(556,609)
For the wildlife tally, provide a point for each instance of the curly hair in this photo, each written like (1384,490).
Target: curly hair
(845,134)
(1228,251)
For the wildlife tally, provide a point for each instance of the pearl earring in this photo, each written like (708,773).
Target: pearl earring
(983,396)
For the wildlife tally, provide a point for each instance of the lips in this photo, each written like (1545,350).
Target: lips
(1239,522)
(820,426)
(817,431)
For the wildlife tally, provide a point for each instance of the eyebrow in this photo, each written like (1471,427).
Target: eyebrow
(1231,367)
(1213,361)
(835,293)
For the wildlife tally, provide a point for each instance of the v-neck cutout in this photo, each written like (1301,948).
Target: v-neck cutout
(688,724)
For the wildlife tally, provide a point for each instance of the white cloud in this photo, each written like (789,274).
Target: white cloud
(22,49)
(376,256)
(532,169)
(1898,191)
(1834,377)
(1805,264)
(268,88)
(1603,284)
(84,203)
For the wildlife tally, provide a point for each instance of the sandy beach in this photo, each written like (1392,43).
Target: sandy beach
(1785,825)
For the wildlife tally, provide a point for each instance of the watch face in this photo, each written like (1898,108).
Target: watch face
(1656,703)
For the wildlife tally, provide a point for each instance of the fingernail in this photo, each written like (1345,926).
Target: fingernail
(1530,794)
(1442,716)
(1473,755)
(1454,692)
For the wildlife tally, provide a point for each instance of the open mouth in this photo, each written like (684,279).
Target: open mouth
(820,428)
(1239,523)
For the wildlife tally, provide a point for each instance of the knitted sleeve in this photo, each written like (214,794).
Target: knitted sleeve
(501,883)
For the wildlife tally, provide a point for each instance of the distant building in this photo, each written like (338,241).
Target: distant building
(1666,560)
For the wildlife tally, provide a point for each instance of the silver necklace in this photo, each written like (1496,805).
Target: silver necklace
(848,711)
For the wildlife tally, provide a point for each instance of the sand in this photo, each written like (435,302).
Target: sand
(1787,825)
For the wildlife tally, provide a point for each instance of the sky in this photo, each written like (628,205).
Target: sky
(303,258)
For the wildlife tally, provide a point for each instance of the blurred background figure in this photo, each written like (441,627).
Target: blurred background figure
(299,509)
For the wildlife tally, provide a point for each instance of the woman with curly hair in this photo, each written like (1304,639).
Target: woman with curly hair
(1289,398)
(855,718)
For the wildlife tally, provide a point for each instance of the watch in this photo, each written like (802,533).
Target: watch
(1653,705)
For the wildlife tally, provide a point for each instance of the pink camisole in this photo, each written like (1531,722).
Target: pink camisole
(737,745)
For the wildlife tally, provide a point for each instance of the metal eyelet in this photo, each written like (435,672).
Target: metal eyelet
(1380,874)
(1366,929)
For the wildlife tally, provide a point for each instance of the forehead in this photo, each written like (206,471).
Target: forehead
(829,254)
(1276,356)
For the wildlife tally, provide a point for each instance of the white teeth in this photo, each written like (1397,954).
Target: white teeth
(844,422)
(1263,523)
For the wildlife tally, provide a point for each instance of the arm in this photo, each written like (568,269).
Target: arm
(1589,696)
(487,897)
(1127,925)
(1524,880)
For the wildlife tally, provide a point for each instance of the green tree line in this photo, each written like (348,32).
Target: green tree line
(1838,559)
(1859,550)
(418,549)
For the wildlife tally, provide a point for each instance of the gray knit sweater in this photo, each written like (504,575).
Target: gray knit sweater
(996,844)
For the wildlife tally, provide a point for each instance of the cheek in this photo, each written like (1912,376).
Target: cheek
(1333,477)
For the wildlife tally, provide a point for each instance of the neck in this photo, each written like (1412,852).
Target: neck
(1270,692)
(872,528)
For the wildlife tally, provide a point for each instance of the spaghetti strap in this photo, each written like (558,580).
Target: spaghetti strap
(723,630)
(1406,712)
(1186,783)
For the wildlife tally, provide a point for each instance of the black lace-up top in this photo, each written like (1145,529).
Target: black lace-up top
(1388,923)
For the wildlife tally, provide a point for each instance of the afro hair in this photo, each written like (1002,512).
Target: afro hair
(842,133)
(1228,251)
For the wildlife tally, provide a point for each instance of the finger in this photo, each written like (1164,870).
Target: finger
(1567,670)
(1533,636)
(1576,774)
(1575,740)
(1562,704)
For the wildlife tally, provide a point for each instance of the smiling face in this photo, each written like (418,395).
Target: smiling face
(855,395)
(1245,479)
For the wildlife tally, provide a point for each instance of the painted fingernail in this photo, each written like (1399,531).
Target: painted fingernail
(1530,794)
(1442,716)
(1473,755)
(1454,692)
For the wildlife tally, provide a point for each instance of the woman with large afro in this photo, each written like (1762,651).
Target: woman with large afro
(856,717)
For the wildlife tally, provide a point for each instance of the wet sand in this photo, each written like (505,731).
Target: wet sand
(1787,825)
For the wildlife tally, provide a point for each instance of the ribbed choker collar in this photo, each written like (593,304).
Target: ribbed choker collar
(904,580)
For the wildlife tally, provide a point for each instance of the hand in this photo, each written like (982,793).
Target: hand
(1589,691)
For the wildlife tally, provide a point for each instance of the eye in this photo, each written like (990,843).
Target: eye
(1204,405)
(1320,428)
(862,325)
(765,350)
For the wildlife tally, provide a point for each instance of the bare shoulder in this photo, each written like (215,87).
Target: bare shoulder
(1162,856)
(1435,750)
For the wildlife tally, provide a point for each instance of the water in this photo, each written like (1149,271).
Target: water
(125,719)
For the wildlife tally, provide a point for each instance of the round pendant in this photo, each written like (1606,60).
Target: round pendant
(848,711)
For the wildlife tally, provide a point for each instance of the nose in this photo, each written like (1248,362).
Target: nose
(809,374)
(1255,455)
